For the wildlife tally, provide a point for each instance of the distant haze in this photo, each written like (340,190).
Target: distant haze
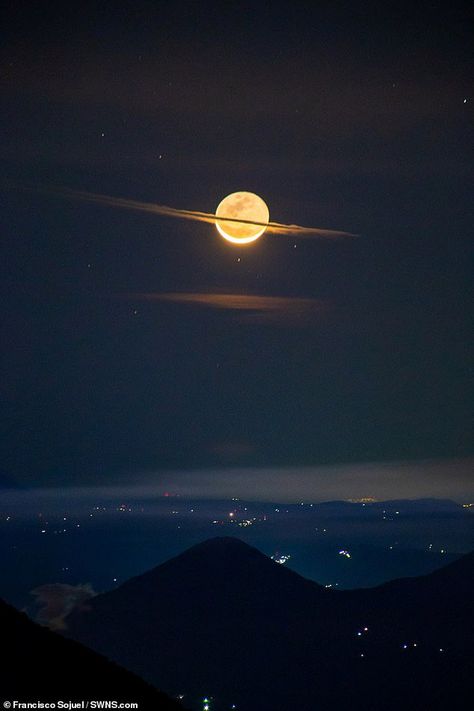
(383,481)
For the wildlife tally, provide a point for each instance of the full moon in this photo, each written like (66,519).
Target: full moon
(242,206)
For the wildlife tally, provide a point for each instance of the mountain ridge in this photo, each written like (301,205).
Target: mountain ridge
(41,664)
(225,618)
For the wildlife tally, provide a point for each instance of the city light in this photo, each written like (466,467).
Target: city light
(281,559)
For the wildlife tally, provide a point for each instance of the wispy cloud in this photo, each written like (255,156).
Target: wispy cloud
(57,600)
(195,215)
(248,308)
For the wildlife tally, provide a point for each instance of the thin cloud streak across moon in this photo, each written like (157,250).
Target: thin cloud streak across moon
(196,215)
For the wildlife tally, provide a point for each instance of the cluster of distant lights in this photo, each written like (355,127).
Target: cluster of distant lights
(127,508)
(408,645)
(232,518)
(56,531)
(404,646)
(386,516)
(281,559)
(361,633)
(243,523)
(206,703)
(124,508)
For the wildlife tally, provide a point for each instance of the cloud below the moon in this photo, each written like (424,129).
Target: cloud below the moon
(252,309)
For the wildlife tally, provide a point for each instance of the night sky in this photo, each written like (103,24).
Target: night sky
(344,119)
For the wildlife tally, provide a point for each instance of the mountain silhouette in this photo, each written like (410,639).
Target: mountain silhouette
(41,665)
(224,619)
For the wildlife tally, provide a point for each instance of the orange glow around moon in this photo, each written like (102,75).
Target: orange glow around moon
(242,206)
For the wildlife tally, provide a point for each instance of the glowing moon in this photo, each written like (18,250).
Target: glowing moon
(242,206)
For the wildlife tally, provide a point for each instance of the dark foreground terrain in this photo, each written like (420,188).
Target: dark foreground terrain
(223,620)
(39,665)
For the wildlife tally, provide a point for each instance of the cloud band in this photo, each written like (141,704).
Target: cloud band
(196,215)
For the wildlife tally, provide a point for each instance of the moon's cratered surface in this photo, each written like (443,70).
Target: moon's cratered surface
(242,206)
